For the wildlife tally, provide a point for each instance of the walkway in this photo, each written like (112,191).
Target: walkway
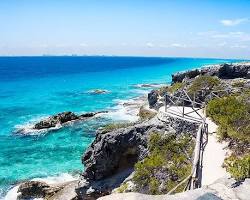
(214,152)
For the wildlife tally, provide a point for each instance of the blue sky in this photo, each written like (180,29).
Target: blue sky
(186,28)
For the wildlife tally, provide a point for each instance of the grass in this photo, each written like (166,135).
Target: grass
(233,117)
(238,167)
(123,187)
(114,126)
(176,86)
(146,114)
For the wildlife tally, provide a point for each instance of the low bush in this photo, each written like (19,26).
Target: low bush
(163,90)
(114,126)
(146,114)
(167,165)
(203,82)
(176,86)
(238,167)
(123,187)
(232,114)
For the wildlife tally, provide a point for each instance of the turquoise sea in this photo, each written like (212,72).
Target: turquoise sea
(35,87)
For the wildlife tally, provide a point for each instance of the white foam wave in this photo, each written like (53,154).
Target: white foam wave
(62,178)
(126,110)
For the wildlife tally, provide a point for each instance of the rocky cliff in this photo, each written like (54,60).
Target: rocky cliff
(112,155)
(223,71)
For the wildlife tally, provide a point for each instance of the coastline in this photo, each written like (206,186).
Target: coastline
(124,111)
(130,107)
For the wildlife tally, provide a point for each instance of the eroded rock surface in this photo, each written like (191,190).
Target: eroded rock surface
(223,71)
(224,188)
(153,98)
(36,189)
(114,154)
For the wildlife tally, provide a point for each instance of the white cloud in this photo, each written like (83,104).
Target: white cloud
(233,22)
(236,35)
(83,45)
(150,45)
(222,44)
(239,46)
(178,45)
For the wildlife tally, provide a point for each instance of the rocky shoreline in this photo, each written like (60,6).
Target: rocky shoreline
(111,157)
(57,121)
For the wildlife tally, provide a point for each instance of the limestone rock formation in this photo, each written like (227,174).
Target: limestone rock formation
(111,157)
(225,188)
(36,189)
(223,71)
(153,98)
(55,120)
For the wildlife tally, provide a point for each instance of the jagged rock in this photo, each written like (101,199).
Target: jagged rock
(36,189)
(98,91)
(55,120)
(61,118)
(115,153)
(153,98)
(226,189)
(223,71)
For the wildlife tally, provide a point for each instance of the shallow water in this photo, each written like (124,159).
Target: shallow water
(35,87)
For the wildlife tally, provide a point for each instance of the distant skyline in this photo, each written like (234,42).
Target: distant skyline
(171,28)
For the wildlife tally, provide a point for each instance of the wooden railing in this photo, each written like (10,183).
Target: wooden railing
(193,180)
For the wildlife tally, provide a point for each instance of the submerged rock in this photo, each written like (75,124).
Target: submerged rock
(98,91)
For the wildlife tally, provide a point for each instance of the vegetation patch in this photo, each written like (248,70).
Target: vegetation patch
(238,83)
(166,166)
(232,114)
(115,126)
(238,167)
(163,90)
(146,114)
(176,86)
(123,187)
(204,82)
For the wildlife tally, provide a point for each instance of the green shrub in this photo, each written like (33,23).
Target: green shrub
(146,114)
(114,126)
(176,86)
(170,156)
(238,83)
(123,187)
(202,82)
(163,90)
(239,168)
(233,117)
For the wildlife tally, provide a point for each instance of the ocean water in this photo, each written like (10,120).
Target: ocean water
(35,87)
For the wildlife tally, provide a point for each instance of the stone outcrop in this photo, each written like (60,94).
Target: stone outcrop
(62,118)
(223,71)
(114,154)
(153,98)
(98,91)
(226,189)
(56,120)
(36,189)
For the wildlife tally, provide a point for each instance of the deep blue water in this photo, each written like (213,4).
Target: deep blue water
(35,87)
